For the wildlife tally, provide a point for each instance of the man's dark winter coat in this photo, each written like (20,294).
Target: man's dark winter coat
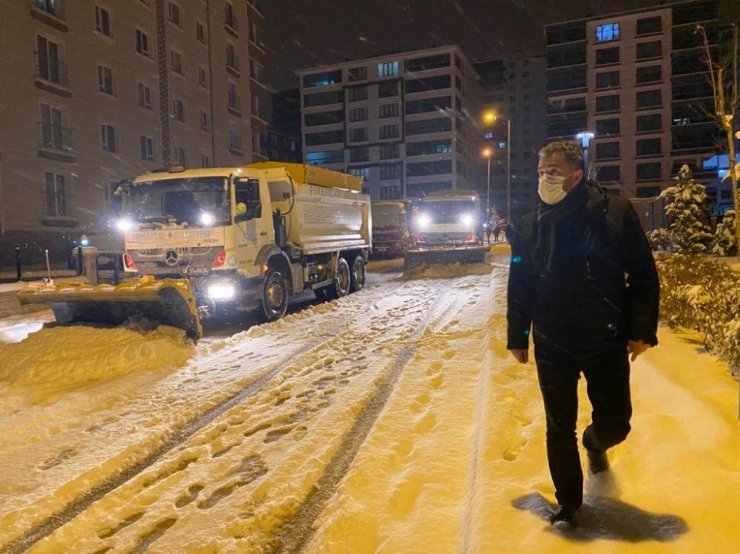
(582,272)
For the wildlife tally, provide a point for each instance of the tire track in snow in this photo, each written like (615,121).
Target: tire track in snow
(295,533)
(56,520)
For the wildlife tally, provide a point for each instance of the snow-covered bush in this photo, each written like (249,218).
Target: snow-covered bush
(686,201)
(659,239)
(724,243)
(703,295)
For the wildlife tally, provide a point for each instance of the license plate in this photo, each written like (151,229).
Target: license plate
(194,270)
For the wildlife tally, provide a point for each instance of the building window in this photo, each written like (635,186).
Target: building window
(323,118)
(102,21)
(358,134)
(205,160)
(388,131)
(359,154)
(323,79)
(230,16)
(322,98)
(606,56)
(325,157)
(607,127)
(176,61)
(648,192)
(173,13)
(142,43)
(357,74)
(646,50)
(200,33)
(180,158)
(649,74)
(50,68)
(436,104)
(357,94)
(441,146)
(607,79)
(390,192)
(607,103)
(108,138)
(325,137)
(428,62)
(607,32)
(387,89)
(358,114)
(146,148)
(388,151)
(234,102)
(608,173)
(387,69)
(649,147)
(488,135)
(105,80)
(390,171)
(388,110)
(52,7)
(55,194)
(607,150)
(439,167)
(53,135)
(178,109)
(202,77)
(232,60)
(145,96)
(437,125)
(649,172)
(649,123)
(648,99)
(363,172)
(204,121)
(649,25)
(428,83)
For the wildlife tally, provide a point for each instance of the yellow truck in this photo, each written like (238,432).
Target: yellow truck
(200,243)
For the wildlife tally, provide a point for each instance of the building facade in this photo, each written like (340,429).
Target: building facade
(638,82)
(407,123)
(95,92)
(514,90)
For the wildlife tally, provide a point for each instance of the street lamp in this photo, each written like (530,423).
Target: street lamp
(490,118)
(585,138)
(487,153)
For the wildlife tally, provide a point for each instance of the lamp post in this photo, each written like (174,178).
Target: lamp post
(487,153)
(585,138)
(508,171)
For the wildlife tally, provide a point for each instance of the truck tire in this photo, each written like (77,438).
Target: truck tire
(274,295)
(358,274)
(342,281)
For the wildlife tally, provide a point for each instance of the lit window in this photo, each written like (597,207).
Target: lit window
(607,32)
(488,135)
(387,69)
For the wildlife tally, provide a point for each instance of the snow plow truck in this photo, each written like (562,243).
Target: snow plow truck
(448,230)
(201,243)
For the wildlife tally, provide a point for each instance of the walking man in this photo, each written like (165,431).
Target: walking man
(583,278)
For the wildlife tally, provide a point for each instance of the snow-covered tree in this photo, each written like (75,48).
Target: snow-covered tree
(686,201)
(725,80)
(724,243)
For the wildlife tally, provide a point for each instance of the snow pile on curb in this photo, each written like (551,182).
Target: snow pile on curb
(703,295)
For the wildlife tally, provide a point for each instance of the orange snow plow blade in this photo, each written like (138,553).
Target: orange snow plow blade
(166,301)
(423,257)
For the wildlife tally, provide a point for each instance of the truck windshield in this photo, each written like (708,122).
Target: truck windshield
(388,215)
(201,201)
(449,211)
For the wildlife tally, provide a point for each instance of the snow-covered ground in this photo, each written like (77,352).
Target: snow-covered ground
(392,420)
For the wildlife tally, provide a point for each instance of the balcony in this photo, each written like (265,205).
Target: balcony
(231,25)
(56,143)
(52,76)
(232,66)
(235,105)
(235,144)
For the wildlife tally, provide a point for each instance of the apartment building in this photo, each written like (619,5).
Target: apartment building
(407,123)
(514,90)
(638,82)
(95,92)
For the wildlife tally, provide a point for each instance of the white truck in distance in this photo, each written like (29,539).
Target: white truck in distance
(217,240)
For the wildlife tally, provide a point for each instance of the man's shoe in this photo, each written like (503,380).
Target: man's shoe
(597,461)
(564,518)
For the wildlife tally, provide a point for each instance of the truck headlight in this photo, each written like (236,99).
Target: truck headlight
(124,224)
(221,291)
(423,221)
(467,219)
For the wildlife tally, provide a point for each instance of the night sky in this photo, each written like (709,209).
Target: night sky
(309,33)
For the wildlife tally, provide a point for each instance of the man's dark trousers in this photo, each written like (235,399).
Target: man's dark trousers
(607,384)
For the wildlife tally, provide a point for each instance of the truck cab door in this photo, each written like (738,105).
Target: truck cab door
(254,222)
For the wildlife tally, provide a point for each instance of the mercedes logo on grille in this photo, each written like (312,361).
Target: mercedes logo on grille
(170,258)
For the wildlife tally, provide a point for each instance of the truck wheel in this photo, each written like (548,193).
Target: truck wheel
(358,274)
(342,281)
(274,295)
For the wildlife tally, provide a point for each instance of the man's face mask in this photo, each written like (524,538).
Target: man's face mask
(550,188)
